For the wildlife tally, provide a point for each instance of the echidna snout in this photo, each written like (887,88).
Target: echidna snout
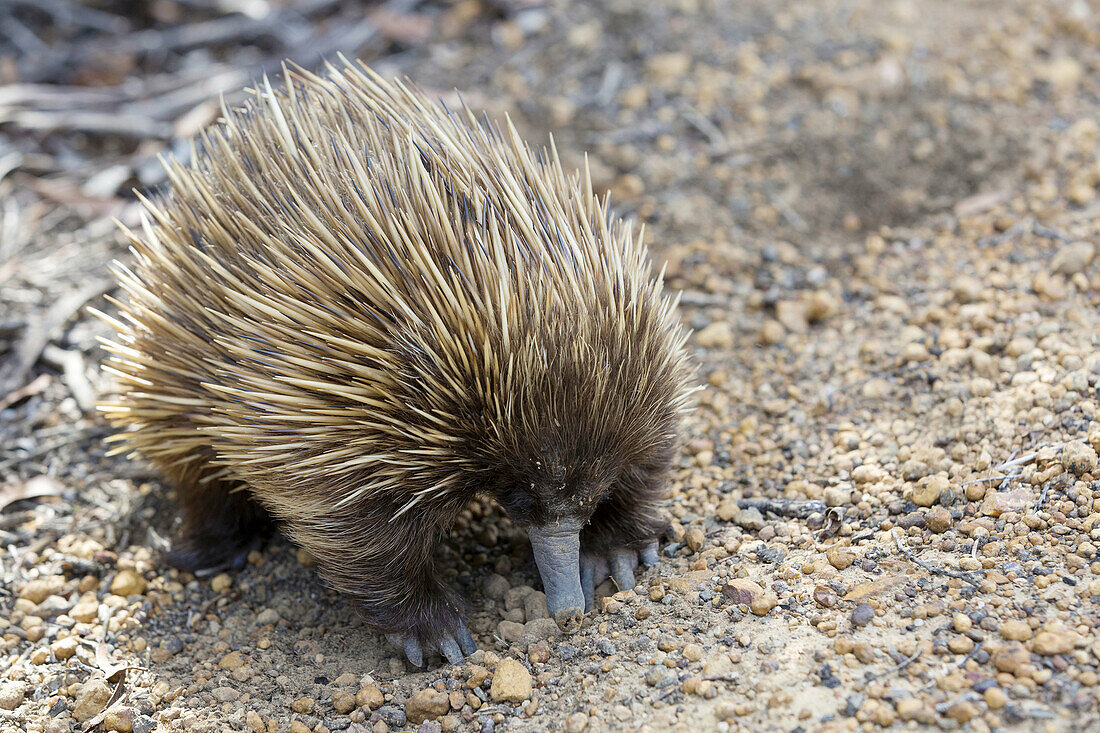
(557,550)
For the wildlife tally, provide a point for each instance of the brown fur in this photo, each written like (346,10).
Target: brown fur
(355,310)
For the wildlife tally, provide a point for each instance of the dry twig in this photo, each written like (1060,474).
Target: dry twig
(784,507)
(931,568)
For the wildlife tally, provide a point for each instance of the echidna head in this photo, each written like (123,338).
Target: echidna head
(575,472)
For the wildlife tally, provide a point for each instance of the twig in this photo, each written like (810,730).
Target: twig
(1054,483)
(697,298)
(96,123)
(13,226)
(708,129)
(896,372)
(784,507)
(225,29)
(945,706)
(670,691)
(896,668)
(634,133)
(930,568)
(987,478)
(1008,480)
(72,366)
(68,13)
(1043,230)
(1028,457)
(787,212)
(968,657)
(148,108)
(1016,229)
(33,387)
(612,80)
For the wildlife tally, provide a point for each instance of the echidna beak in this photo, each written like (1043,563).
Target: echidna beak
(557,550)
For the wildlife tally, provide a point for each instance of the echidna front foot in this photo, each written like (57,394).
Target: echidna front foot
(619,564)
(620,537)
(453,642)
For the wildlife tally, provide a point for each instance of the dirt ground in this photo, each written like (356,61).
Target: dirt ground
(883,218)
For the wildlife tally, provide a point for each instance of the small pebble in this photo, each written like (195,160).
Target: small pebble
(1016,630)
(91,700)
(427,704)
(11,695)
(369,697)
(825,596)
(929,489)
(119,719)
(128,583)
(938,519)
(576,723)
(511,682)
(840,557)
(343,701)
(751,519)
(1079,458)
(862,615)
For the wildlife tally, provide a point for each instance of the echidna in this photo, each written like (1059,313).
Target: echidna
(356,309)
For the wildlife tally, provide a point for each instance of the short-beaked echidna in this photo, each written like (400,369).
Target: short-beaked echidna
(355,309)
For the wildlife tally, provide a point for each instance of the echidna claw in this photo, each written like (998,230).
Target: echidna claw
(648,555)
(623,563)
(466,640)
(449,648)
(414,652)
(594,570)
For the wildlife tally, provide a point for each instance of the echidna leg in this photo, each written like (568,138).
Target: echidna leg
(395,581)
(434,624)
(221,522)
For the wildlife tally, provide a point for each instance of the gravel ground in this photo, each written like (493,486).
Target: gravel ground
(882,216)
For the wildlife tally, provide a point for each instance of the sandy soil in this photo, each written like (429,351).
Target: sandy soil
(882,216)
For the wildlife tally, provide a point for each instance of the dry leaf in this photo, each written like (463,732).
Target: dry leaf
(979,203)
(873,588)
(108,667)
(34,488)
(31,388)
